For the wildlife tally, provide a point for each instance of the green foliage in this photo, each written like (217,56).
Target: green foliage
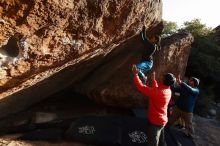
(204,59)
(169,28)
(196,28)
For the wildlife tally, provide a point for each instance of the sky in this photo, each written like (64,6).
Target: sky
(179,11)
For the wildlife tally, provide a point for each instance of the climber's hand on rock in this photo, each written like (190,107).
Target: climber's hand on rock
(178,80)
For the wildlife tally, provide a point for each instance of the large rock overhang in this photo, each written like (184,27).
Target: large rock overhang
(57,44)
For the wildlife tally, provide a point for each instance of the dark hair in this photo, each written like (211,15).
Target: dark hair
(169,79)
(158,40)
(195,81)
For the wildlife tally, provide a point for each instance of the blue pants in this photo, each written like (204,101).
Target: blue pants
(144,67)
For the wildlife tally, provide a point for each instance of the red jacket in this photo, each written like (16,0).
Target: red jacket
(159,97)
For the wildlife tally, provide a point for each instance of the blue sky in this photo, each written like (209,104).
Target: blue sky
(208,11)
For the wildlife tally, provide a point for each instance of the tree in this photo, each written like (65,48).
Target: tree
(169,28)
(196,28)
(204,60)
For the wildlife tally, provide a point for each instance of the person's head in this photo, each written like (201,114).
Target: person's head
(193,82)
(155,39)
(169,79)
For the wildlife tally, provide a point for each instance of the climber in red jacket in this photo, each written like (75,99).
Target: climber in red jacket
(158,96)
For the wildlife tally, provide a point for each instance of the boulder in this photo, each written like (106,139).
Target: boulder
(212,112)
(47,45)
(111,83)
(43,117)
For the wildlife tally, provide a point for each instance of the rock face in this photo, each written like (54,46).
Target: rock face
(50,33)
(217,34)
(46,45)
(112,82)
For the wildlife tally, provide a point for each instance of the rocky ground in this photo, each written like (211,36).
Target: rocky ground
(207,130)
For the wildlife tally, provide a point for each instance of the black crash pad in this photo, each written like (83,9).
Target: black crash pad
(106,131)
(95,130)
(49,134)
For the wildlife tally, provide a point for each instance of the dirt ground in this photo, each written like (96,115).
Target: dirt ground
(207,131)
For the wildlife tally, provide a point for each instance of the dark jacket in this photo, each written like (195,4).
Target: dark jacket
(150,48)
(187,98)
